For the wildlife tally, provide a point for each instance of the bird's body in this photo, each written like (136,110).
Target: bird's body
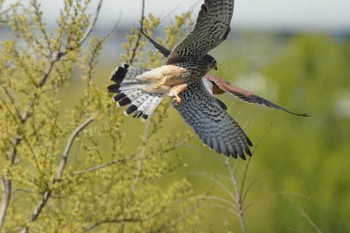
(175,74)
(167,75)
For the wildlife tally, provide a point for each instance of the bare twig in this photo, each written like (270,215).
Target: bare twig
(91,227)
(6,198)
(239,203)
(92,24)
(101,166)
(273,195)
(114,27)
(243,196)
(307,217)
(12,156)
(49,68)
(176,221)
(41,205)
(12,99)
(69,145)
(219,199)
(233,211)
(245,173)
(139,35)
(224,188)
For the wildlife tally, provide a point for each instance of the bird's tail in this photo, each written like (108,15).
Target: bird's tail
(129,92)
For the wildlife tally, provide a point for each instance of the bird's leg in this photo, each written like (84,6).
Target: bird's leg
(176,90)
(161,82)
(177,99)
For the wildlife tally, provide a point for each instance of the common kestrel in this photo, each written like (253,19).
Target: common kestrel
(184,78)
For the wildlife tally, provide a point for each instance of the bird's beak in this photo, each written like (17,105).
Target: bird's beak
(215,67)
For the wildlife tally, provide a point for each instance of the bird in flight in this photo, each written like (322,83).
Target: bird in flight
(184,78)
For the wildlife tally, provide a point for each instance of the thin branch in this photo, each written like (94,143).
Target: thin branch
(225,208)
(312,223)
(252,184)
(6,198)
(219,199)
(18,139)
(114,27)
(49,68)
(11,98)
(41,205)
(100,166)
(209,174)
(139,35)
(239,203)
(185,214)
(245,173)
(273,195)
(92,24)
(216,181)
(68,147)
(92,226)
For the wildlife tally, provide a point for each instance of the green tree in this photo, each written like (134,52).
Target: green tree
(67,169)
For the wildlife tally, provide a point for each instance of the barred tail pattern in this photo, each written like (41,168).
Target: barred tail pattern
(129,92)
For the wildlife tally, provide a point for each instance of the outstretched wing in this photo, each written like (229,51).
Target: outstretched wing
(211,122)
(223,86)
(212,27)
(220,86)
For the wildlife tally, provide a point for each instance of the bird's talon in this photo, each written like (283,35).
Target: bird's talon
(177,100)
(161,83)
(158,85)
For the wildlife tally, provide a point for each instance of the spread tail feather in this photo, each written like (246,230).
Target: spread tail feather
(129,92)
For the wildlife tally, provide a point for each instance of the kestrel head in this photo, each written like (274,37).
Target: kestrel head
(210,62)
